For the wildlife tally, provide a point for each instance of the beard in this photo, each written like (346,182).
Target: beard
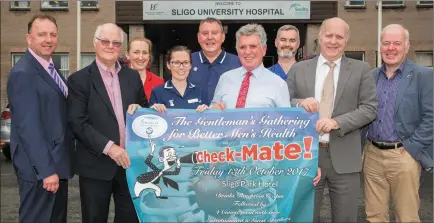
(288,55)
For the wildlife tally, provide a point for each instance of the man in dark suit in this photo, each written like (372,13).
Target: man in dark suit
(399,139)
(41,142)
(343,91)
(99,96)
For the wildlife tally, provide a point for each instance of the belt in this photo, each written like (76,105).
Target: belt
(324,145)
(385,146)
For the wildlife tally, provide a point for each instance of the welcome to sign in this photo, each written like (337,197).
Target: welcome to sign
(225,10)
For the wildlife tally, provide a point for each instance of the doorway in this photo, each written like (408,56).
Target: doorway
(165,36)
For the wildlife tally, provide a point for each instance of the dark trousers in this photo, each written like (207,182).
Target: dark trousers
(344,190)
(39,205)
(95,199)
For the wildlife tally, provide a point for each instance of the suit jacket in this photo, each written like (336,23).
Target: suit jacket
(414,111)
(355,106)
(93,120)
(41,140)
(149,176)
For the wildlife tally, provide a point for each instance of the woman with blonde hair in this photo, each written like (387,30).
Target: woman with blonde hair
(139,54)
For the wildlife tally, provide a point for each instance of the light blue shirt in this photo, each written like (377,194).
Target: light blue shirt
(266,89)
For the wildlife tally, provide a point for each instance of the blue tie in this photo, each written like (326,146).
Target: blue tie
(57,79)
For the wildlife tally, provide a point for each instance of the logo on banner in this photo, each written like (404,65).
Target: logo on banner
(149,126)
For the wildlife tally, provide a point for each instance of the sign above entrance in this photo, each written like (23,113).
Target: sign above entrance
(225,10)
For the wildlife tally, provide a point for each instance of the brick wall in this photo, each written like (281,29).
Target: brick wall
(363,26)
(14,27)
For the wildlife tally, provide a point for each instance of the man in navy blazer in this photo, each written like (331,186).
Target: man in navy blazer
(41,142)
(398,140)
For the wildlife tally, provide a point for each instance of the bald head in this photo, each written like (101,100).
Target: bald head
(109,27)
(396,28)
(332,22)
(333,37)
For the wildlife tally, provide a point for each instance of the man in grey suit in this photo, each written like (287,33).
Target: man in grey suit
(400,138)
(343,112)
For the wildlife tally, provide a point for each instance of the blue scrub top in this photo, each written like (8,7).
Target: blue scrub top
(277,69)
(206,75)
(168,95)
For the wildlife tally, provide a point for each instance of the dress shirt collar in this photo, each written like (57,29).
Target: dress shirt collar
(256,72)
(398,71)
(322,60)
(105,69)
(44,63)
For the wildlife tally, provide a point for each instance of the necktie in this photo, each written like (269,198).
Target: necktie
(327,97)
(57,79)
(241,101)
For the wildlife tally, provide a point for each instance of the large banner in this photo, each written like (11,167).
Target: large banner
(236,10)
(238,165)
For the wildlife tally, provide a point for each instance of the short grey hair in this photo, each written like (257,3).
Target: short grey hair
(252,29)
(394,26)
(99,28)
(287,28)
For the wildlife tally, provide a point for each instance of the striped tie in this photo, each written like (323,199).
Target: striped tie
(57,79)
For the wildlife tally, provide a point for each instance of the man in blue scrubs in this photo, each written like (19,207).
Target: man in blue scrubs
(211,61)
(287,42)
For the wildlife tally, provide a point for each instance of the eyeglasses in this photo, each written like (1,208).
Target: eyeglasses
(178,64)
(105,42)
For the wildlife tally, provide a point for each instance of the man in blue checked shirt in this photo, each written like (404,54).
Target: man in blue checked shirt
(400,139)
(287,42)
(211,61)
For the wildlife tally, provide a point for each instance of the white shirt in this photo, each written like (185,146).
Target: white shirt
(322,69)
(266,89)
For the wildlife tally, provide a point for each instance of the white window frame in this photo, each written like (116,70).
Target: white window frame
(418,53)
(13,60)
(424,3)
(47,6)
(87,54)
(385,5)
(348,5)
(64,69)
(89,7)
(20,5)
(64,63)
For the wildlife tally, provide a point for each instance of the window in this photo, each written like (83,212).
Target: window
(87,59)
(376,60)
(427,4)
(392,4)
(357,55)
(62,60)
(89,4)
(54,5)
(20,5)
(355,4)
(16,57)
(424,58)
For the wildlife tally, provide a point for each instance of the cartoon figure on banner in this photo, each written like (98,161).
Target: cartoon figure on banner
(168,157)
